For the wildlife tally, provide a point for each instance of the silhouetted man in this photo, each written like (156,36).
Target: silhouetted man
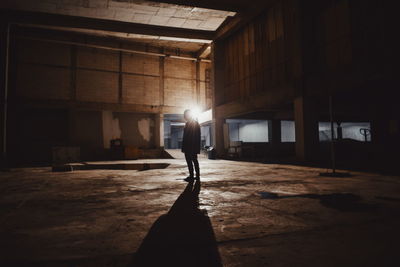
(191,144)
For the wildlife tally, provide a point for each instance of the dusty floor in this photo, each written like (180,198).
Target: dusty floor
(249,214)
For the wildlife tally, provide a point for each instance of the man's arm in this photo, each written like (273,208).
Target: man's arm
(198,130)
(198,134)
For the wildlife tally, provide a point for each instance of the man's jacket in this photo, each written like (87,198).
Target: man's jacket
(191,138)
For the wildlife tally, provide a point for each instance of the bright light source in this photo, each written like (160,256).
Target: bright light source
(205,116)
(195,113)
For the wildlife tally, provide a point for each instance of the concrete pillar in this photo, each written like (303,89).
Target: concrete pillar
(167,133)
(4,57)
(161,66)
(274,135)
(217,84)
(274,132)
(218,136)
(159,130)
(306,126)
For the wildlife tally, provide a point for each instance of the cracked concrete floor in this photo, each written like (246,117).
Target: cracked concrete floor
(256,214)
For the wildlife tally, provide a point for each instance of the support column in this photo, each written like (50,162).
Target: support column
(217,85)
(218,136)
(159,130)
(274,132)
(274,135)
(161,84)
(4,60)
(306,126)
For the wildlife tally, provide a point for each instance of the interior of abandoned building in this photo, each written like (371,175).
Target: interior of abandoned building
(100,86)
(83,73)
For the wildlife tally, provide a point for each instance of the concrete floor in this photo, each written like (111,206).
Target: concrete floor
(249,214)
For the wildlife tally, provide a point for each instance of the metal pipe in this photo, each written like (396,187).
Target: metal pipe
(91,46)
(111,48)
(5,108)
(189,58)
(332,135)
(181,57)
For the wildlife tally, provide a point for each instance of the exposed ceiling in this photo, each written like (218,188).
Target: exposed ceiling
(191,18)
(136,11)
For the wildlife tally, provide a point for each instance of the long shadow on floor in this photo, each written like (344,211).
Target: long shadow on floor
(182,237)
(338,201)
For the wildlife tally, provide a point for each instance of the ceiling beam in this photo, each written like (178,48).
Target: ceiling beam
(205,51)
(241,19)
(227,5)
(46,19)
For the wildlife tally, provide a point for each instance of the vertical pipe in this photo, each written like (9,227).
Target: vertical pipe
(5,94)
(160,116)
(120,93)
(73,66)
(72,109)
(332,135)
(198,83)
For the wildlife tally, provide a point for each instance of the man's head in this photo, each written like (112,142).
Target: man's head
(187,115)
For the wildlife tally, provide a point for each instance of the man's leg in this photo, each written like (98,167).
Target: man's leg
(189,164)
(196,165)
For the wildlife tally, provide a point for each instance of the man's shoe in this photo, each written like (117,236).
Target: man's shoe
(189,179)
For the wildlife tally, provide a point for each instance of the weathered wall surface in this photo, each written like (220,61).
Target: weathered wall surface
(141,79)
(65,72)
(260,59)
(43,70)
(136,129)
(103,94)
(179,83)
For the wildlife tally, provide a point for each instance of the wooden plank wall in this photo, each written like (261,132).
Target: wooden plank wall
(255,57)
(333,36)
(266,56)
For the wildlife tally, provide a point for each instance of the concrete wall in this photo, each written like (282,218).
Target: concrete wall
(136,129)
(86,131)
(35,132)
(56,71)
(105,94)
(43,71)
